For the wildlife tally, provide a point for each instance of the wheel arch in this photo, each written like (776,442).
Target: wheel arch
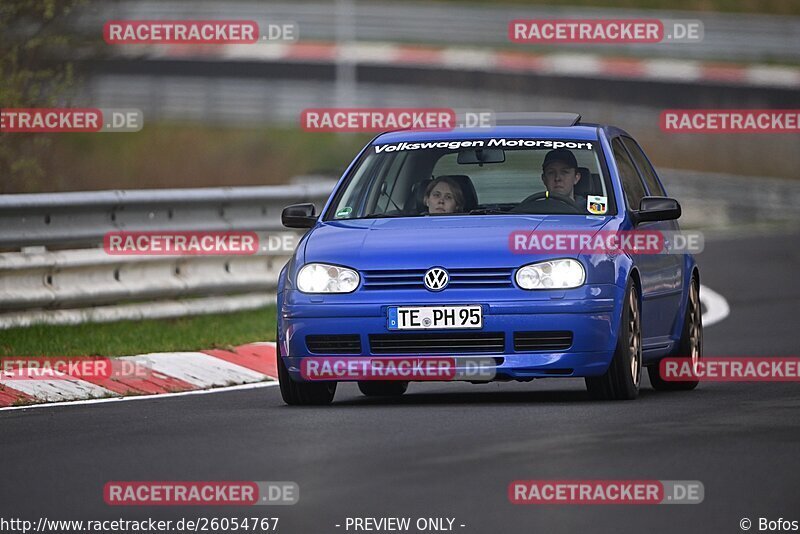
(637,282)
(695,274)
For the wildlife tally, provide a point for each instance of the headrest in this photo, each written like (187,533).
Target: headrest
(415,203)
(589,184)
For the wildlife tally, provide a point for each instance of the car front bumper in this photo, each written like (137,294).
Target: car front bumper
(592,318)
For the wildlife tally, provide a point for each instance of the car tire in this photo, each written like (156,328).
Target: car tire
(689,346)
(383,388)
(621,380)
(302,393)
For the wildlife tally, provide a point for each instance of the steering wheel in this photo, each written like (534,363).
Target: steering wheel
(543,195)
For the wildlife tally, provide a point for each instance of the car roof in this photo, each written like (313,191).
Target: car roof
(580,132)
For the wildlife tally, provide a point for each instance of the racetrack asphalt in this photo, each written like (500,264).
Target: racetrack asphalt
(451,449)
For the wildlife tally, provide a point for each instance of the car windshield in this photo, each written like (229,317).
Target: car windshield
(476,177)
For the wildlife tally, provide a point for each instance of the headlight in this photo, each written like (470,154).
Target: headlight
(322,278)
(553,274)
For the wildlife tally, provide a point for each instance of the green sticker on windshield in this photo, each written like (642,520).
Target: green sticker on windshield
(344,212)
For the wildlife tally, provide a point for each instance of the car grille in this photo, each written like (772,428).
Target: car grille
(334,344)
(526,341)
(456,343)
(488,278)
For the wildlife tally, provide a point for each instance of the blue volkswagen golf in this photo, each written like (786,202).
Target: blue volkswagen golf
(423,252)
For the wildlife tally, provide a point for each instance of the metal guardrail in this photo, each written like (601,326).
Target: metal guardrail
(53,268)
(82,218)
(723,204)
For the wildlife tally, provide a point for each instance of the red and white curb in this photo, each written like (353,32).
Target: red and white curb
(501,61)
(187,373)
(172,373)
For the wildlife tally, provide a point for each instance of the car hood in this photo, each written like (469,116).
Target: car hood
(422,242)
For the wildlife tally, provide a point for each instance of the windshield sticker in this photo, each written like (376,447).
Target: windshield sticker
(596,205)
(344,212)
(501,143)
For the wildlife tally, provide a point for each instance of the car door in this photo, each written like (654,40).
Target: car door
(661,274)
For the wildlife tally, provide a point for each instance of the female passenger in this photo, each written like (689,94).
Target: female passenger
(444,195)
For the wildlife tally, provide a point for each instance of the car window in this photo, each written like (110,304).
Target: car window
(518,177)
(359,181)
(493,175)
(647,170)
(631,181)
(390,190)
(509,182)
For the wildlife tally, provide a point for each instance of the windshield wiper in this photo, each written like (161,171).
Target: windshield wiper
(376,216)
(487,211)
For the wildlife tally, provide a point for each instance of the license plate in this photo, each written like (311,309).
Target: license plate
(434,317)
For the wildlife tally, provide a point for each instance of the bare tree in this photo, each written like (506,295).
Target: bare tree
(35,71)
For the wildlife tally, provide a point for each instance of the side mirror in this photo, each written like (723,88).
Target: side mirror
(657,209)
(299,216)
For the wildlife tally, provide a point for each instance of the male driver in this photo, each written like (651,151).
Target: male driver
(560,174)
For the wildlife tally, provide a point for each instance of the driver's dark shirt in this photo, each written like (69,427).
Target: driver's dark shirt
(581,203)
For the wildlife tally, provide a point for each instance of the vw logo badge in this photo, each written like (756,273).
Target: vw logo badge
(436,279)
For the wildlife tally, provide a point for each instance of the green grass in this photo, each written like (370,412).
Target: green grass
(169,154)
(137,337)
